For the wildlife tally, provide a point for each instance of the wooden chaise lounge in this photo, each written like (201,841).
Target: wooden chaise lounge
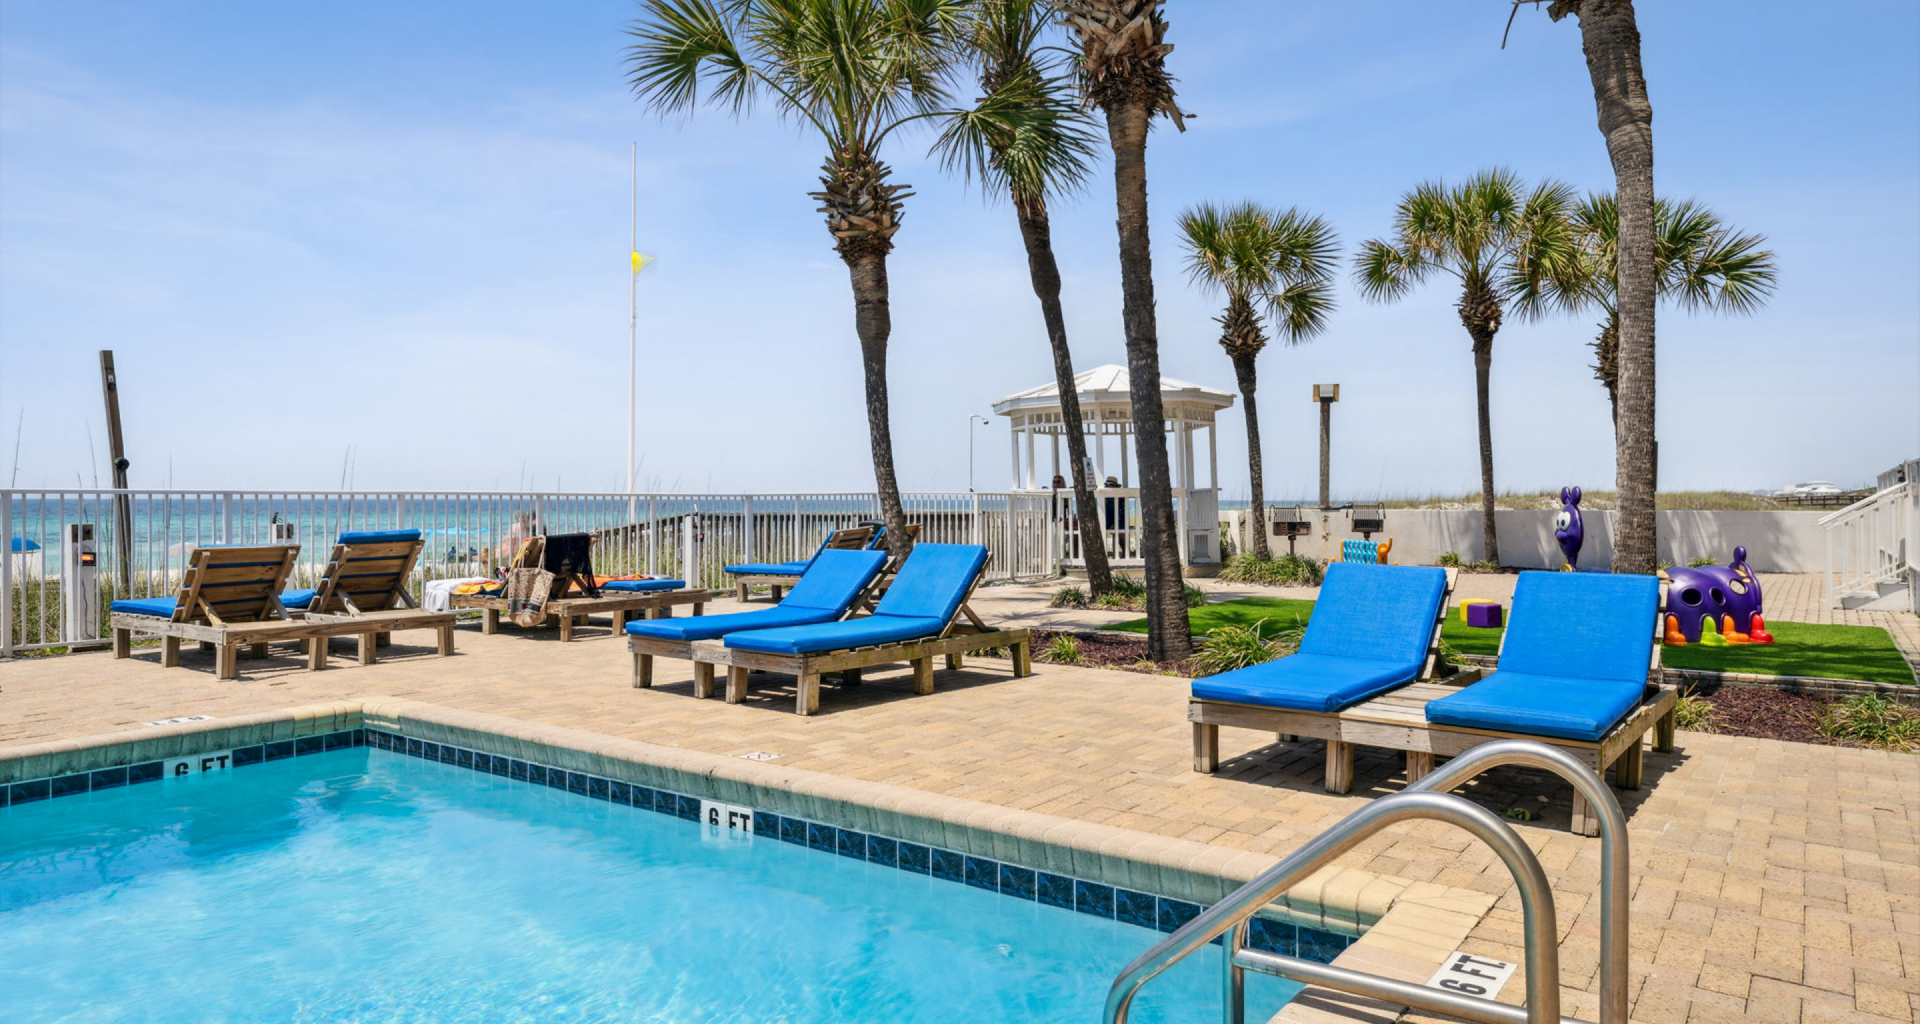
(1404,717)
(778,576)
(575,597)
(924,616)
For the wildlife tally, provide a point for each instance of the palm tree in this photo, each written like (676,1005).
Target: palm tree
(1498,239)
(1282,259)
(1699,261)
(1029,139)
(1123,71)
(853,71)
(1610,37)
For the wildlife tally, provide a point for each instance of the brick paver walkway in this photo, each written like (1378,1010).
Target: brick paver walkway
(1773,881)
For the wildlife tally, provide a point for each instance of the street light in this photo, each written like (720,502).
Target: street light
(970,424)
(1326,395)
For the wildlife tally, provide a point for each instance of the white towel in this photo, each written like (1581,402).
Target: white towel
(439,593)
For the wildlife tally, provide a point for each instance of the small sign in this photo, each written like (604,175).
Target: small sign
(731,819)
(1477,976)
(199,764)
(177,721)
(760,755)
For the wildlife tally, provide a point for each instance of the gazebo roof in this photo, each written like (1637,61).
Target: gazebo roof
(1107,385)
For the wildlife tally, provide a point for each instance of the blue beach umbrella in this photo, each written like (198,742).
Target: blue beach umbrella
(22,544)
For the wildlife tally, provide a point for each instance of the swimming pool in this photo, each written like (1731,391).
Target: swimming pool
(362,884)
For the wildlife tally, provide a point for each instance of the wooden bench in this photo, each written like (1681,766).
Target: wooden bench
(808,668)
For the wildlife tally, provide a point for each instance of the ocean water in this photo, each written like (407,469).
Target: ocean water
(362,885)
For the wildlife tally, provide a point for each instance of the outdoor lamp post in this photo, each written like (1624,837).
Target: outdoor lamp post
(972,421)
(1326,395)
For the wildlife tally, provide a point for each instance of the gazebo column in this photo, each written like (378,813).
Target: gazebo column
(1213,455)
(1056,455)
(1013,454)
(1099,438)
(1029,460)
(1126,463)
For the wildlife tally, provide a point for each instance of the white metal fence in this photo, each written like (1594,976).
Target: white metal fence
(54,600)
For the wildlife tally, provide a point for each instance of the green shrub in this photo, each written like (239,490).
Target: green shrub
(1068,597)
(1113,600)
(1662,565)
(1703,560)
(1448,560)
(1194,595)
(1695,713)
(1873,720)
(1285,570)
(1231,647)
(1062,649)
(1128,586)
(1485,565)
(1451,654)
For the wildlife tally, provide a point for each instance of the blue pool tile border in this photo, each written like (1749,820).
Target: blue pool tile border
(1145,910)
(101,779)
(1141,909)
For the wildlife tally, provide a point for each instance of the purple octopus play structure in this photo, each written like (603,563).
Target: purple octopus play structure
(1720,603)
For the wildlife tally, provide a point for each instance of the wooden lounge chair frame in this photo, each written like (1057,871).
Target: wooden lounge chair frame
(194,618)
(853,538)
(953,643)
(394,608)
(575,611)
(1396,720)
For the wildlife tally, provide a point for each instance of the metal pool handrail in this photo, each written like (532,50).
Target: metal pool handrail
(1423,800)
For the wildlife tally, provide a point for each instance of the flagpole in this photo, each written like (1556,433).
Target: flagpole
(633,316)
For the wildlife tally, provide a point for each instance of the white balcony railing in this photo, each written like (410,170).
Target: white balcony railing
(1871,542)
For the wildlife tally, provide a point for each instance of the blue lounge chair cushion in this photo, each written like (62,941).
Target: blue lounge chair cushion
(712,627)
(642,586)
(837,636)
(296,598)
(1305,682)
(933,581)
(1369,633)
(379,536)
(1381,612)
(834,580)
(1589,625)
(160,607)
(1574,661)
(1562,706)
(769,568)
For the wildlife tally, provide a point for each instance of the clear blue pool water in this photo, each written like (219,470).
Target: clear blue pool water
(360,885)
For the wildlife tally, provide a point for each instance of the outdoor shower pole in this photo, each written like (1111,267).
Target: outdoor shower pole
(117,451)
(1326,395)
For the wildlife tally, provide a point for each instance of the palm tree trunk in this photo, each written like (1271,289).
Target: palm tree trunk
(1611,39)
(1243,372)
(873,321)
(1036,231)
(1169,635)
(1482,372)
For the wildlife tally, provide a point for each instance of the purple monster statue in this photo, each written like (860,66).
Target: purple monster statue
(1728,594)
(1568,528)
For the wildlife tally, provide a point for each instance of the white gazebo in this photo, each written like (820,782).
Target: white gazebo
(1106,413)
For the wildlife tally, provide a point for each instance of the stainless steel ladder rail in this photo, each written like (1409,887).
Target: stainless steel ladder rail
(1426,799)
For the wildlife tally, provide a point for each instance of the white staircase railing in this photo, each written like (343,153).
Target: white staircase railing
(1871,542)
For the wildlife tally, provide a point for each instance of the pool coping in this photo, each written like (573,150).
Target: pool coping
(1406,929)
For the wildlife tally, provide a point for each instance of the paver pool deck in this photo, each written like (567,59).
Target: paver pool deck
(1772,881)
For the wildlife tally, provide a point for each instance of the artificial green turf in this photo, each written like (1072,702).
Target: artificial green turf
(1799,648)
(1282,613)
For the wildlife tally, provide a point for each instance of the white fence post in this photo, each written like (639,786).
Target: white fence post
(746,542)
(689,569)
(6,574)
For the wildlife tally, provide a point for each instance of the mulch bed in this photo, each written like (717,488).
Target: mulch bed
(1756,711)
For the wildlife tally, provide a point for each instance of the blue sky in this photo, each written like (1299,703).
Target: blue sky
(402,228)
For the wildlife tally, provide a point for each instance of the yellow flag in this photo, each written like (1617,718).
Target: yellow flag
(640,261)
